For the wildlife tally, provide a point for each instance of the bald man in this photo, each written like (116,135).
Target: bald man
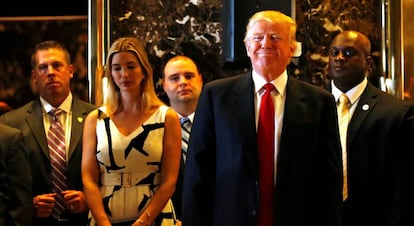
(378,143)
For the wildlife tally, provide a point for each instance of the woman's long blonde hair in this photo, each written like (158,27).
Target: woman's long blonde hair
(148,96)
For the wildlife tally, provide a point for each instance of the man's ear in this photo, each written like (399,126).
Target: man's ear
(163,83)
(246,45)
(369,61)
(370,64)
(72,70)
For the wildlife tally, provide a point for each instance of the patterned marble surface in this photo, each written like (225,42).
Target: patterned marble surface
(320,20)
(170,28)
(193,28)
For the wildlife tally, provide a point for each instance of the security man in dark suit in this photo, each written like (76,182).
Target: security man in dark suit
(52,71)
(379,140)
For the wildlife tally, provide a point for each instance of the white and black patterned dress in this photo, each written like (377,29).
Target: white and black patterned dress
(130,168)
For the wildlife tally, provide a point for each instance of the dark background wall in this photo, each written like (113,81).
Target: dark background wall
(44,8)
(22,25)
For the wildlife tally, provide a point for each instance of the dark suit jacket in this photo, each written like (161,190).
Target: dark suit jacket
(15,179)
(221,175)
(28,118)
(380,161)
(177,196)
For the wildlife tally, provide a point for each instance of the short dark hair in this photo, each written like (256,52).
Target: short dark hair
(49,44)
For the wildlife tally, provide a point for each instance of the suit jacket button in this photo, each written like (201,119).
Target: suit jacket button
(253,213)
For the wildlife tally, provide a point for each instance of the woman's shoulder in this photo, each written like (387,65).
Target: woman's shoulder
(97,114)
(101,112)
(164,111)
(164,108)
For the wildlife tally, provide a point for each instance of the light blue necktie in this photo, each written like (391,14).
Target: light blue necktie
(185,135)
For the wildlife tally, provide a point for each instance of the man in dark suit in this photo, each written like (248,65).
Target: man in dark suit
(15,179)
(379,140)
(182,82)
(52,71)
(222,180)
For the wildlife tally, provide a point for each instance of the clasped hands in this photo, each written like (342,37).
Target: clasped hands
(74,200)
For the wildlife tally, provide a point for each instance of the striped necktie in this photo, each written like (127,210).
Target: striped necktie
(343,120)
(185,136)
(57,153)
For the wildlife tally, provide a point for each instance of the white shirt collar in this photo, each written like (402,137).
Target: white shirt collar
(190,116)
(353,94)
(279,83)
(65,105)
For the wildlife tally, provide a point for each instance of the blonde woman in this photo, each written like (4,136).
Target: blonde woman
(131,145)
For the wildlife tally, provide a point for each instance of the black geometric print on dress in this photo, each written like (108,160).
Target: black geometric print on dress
(147,180)
(162,216)
(112,165)
(150,180)
(138,142)
(107,199)
(143,202)
(106,205)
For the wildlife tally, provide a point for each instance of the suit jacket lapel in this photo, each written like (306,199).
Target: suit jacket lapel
(365,106)
(295,111)
(34,120)
(78,118)
(243,98)
(295,105)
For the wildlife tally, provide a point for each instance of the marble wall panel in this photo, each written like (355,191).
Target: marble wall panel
(193,28)
(189,27)
(169,28)
(320,20)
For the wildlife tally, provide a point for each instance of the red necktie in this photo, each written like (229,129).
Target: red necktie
(57,153)
(266,147)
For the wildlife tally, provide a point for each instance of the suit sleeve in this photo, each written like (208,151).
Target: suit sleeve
(19,181)
(199,172)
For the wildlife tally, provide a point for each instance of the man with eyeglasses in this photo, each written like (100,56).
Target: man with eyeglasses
(377,141)
(51,72)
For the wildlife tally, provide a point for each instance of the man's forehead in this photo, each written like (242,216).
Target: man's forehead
(50,53)
(264,24)
(181,73)
(176,66)
(340,47)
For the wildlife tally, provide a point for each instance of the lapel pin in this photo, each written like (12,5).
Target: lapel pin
(365,107)
(80,119)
